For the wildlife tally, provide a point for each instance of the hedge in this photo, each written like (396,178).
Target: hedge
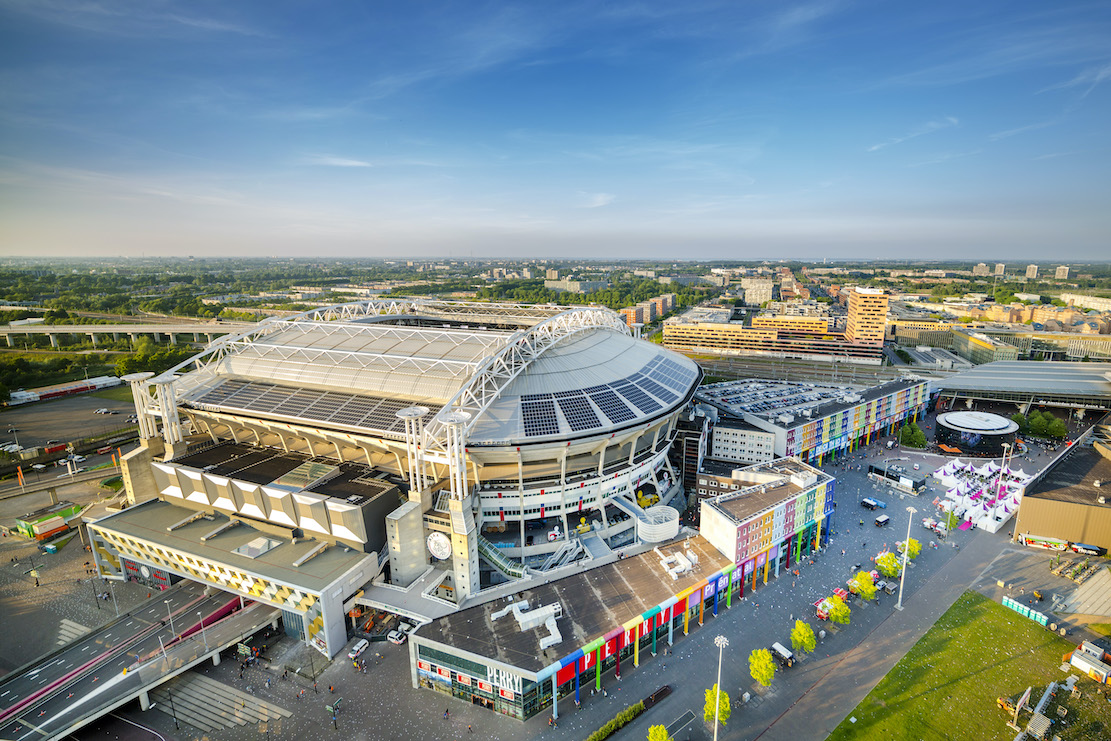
(623,718)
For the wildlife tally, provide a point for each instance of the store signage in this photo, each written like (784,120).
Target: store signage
(1052,544)
(463,679)
(424,665)
(485,686)
(506,694)
(503,679)
(445,673)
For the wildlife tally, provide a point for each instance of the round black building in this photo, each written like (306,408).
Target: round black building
(975,433)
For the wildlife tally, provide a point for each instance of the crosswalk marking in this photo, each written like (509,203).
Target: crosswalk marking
(70,631)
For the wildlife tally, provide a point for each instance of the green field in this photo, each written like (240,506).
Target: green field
(116,393)
(946,686)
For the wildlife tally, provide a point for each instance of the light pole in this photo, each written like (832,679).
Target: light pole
(721,642)
(171,616)
(112,590)
(203,634)
(172,708)
(906,554)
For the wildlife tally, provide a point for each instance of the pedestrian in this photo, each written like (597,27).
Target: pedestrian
(268,683)
(446,712)
(332,689)
(469,729)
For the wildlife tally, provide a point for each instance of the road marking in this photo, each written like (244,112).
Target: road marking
(680,723)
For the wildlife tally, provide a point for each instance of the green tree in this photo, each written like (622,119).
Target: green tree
(1039,425)
(5,392)
(1020,419)
(865,587)
(722,707)
(761,666)
(658,733)
(802,637)
(888,565)
(915,549)
(1057,429)
(839,612)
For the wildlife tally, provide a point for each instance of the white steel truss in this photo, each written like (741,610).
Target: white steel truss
(502,368)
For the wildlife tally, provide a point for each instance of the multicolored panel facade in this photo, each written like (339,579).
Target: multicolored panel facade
(840,429)
(109,546)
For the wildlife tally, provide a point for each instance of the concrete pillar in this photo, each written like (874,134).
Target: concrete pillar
(555,698)
(274,624)
(92,338)
(216,659)
(209,337)
(196,337)
(172,338)
(53,495)
(115,336)
(11,343)
(53,340)
(144,700)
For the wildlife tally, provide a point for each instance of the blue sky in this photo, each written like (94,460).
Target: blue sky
(695,130)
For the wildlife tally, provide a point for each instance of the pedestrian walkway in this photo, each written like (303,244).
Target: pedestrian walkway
(1091,598)
(848,681)
(209,705)
(69,631)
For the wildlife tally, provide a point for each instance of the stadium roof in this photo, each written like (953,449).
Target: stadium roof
(571,372)
(1034,379)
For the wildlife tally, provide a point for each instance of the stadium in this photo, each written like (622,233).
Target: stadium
(976,433)
(403,454)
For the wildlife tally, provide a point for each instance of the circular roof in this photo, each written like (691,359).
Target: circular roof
(981,422)
(588,384)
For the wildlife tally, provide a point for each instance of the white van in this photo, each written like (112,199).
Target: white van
(882,520)
(785,658)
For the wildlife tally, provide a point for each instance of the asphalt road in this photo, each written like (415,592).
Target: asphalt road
(122,643)
(63,420)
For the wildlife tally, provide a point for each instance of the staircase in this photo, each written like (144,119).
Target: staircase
(567,553)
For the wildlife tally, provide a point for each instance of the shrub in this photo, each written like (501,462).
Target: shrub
(622,719)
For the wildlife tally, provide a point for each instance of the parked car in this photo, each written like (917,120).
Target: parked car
(357,650)
(395,636)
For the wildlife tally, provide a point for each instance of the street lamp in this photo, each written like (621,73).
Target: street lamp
(906,554)
(171,616)
(203,634)
(721,642)
(172,708)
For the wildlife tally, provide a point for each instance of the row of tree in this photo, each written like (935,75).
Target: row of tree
(1040,424)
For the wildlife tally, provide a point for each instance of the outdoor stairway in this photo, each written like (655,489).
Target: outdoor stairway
(567,553)
(595,546)
(633,510)
(210,706)
(509,567)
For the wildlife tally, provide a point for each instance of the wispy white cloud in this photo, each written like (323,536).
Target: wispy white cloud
(948,156)
(1089,79)
(328,160)
(1020,130)
(927,128)
(596,200)
(126,17)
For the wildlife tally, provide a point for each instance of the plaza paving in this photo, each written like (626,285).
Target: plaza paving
(805,702)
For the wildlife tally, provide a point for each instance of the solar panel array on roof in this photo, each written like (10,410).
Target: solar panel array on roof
(352,410)
(610,404)
(660,382)
(539,416)
(577,410)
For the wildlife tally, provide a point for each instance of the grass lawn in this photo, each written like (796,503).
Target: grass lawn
(116,393)
(946,686)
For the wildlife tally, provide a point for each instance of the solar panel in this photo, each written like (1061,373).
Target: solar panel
(539,417)
(610,404)
(317,406)
(658,391)
(577,411)
(642,401)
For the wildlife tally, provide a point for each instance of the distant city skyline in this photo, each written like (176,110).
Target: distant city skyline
(651,130)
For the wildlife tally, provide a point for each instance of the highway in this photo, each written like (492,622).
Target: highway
(114,664)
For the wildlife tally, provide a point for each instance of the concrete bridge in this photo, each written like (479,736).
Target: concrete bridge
(193,330)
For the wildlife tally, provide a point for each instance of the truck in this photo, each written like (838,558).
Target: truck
(822,605)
